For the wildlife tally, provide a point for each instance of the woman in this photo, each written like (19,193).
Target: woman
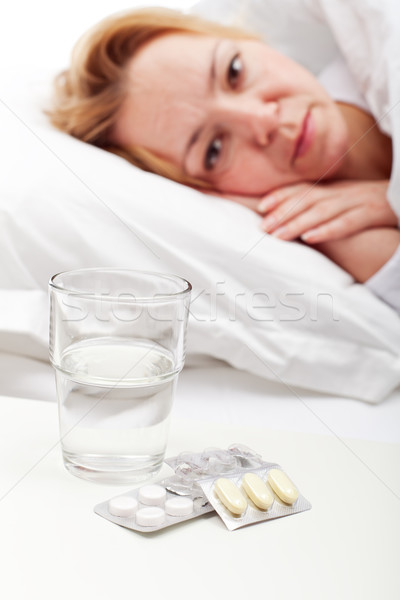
(216,109)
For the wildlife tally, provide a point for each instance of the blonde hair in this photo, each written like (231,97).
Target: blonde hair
(89,94)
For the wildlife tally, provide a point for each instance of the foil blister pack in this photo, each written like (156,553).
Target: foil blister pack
(253,496)
(237,483)
(152,507)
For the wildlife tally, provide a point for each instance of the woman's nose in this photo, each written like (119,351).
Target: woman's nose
(251,118)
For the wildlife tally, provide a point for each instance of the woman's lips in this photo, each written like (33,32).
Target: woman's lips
(306,137)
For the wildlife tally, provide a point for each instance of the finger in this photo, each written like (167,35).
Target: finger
(314,209)
(311,219)
(341,227)
(279,216)
(350,221)
(280,195)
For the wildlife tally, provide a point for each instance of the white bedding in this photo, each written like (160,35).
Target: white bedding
(278,310)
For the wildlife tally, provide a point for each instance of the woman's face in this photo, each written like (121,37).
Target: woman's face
(234,113)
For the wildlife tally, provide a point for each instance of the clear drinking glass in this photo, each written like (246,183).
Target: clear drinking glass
(117,343)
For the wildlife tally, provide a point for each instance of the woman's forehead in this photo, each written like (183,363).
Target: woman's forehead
(168,83)
(175,60)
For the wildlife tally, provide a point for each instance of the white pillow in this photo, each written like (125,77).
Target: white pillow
(280,310)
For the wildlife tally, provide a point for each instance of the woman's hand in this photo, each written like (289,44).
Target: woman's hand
(326,211)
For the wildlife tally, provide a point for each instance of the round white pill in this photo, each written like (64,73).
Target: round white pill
(122,506)
(179,507)
(150,516)
(152,495)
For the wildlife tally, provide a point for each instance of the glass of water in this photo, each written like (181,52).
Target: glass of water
(117,343)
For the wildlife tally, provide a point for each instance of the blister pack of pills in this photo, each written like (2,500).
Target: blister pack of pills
(254,495)
(152,507)
(236,482)
(214,461)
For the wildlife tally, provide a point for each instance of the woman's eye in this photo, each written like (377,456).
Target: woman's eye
(213,154)
(234,71)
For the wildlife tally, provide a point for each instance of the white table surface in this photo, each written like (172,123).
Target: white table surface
(54,546)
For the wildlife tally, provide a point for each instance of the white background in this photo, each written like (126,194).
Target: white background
(41,33)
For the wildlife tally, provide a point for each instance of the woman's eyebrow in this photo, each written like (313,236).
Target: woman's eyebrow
(211,81)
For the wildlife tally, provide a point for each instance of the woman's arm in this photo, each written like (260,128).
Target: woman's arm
(326,211)
(321,212)
(363,253)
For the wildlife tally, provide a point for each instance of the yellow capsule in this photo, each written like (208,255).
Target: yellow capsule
(282,486)
(230,496)
(257,491)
